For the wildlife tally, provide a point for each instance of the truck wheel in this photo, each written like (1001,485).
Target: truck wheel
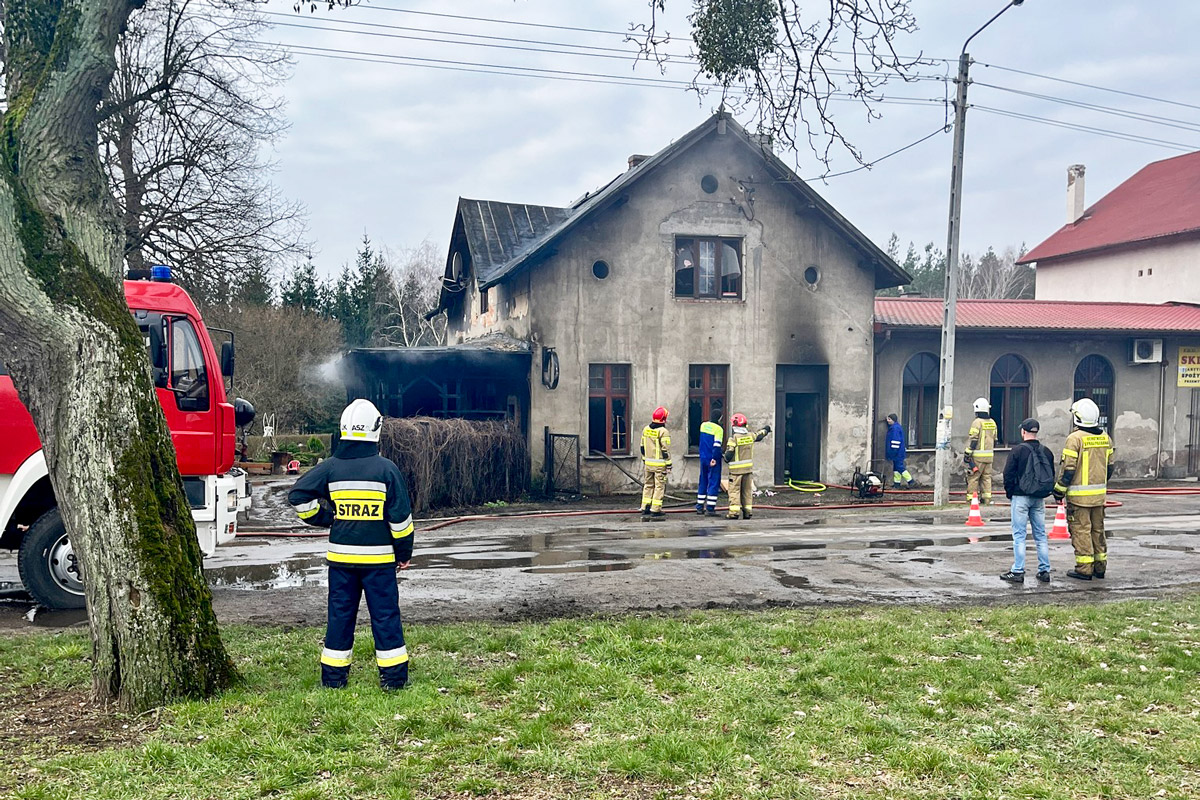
(48,566)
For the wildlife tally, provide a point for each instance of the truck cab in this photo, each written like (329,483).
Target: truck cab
(190,381)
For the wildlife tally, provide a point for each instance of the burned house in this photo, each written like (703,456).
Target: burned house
(708,275)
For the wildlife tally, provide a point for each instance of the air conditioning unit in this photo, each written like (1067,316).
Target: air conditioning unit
(1145,351)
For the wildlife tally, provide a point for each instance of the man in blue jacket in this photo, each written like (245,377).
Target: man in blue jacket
(897,451)
(711,434)
(362,498)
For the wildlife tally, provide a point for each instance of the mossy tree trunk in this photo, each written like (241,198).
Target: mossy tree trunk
(79,363)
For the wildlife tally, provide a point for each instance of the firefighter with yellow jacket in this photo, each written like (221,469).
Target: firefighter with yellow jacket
(657,462)
(981,441)
(739,454)
(1084,470)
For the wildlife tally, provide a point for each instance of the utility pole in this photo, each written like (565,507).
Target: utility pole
(944,457)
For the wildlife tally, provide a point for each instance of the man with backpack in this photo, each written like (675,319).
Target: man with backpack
(1028,481)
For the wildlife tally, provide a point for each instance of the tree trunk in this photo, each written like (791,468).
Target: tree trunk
(80,365)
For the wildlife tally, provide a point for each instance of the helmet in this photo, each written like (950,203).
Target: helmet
(981,404)
(1085,413)
(739,420)
(660,414)
(361,422)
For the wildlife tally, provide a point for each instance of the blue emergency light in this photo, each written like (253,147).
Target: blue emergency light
(160,273)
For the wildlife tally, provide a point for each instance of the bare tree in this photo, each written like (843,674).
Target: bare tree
(996,276)
(79,363)
(416,278)
(181,136)
(784,61)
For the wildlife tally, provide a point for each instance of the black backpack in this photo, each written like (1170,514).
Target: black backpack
(1037,473)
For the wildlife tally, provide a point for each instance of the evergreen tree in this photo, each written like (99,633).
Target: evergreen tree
(302,290)
(254,287)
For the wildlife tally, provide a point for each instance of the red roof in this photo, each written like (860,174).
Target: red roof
(1162,199)
(1051,315)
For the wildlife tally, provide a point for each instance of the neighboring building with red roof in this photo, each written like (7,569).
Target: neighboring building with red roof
(1033,358)
(1139,243)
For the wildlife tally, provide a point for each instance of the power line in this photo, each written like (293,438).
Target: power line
(898,151)
(1134,115)
(1123,135)
(1091,86)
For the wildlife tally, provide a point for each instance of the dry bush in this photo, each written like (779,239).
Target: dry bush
(457,462)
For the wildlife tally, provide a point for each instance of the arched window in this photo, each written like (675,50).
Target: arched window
(1094,379)
(920,400)
(1010,397)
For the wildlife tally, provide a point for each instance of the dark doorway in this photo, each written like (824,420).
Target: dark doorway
(801,401)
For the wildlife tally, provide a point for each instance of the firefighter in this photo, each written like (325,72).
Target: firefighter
(1084,471)
(657,462)
(739,454)
(897,451)
(711,434)
(362,498)
(981,438)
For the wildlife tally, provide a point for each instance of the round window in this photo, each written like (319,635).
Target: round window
(812,275)
(709,184)
(600,270)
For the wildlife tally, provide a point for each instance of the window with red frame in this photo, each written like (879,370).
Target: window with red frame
(608,409)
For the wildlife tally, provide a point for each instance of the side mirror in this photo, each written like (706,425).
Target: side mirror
(157,346)
(227,359)
(243,412)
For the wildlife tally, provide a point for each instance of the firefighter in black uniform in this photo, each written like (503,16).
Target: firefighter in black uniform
(361,497)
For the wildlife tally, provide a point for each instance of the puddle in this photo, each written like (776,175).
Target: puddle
(1178,548)
(925,560)
(612,566)
(789,580)
(900,544)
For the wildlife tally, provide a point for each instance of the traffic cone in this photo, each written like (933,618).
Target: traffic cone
(974,519)
(1060,524)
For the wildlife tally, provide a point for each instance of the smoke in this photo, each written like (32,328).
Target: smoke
(330,371)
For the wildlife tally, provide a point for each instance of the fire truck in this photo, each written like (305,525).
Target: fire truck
(190,381)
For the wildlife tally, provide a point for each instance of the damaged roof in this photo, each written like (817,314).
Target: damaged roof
(1038,315)
(505,237)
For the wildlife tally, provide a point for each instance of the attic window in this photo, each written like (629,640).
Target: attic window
(600,270)
(708,268)
(709,184)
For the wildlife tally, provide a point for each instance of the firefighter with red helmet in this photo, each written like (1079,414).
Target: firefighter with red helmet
(657,462)
(739,455)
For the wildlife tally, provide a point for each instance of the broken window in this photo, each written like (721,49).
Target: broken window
(708,267)
(608,409)
(920,400)
(708,391)
(1094,379)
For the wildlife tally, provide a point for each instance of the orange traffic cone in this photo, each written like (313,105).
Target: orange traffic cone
(974,519)
(1060,524)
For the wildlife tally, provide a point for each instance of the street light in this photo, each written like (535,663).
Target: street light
(942,462)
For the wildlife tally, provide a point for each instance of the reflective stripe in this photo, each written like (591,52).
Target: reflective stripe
(306,510)
(401,529)
(371,486)
(654,462)
(358,494)
(335,658)
(1070,453)
(737,464)
(1084,559)
(361,554)
(1086,490)
(1058,487)
(1102,556)
(390,658)
(360,549)
(345,558)
(1095,442)
(980,453)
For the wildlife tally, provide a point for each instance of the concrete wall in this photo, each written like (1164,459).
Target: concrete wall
(632,317)
(1150,424)
(1158,273)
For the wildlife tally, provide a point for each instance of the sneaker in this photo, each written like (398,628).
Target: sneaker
(1013,577)
(1079,576)
(1044,577)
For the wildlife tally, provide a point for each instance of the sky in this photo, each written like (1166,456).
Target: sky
(386,149)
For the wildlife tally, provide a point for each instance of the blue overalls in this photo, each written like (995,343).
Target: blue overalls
(710,473)
(897,451)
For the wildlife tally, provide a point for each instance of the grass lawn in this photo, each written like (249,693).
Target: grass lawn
(1081,701)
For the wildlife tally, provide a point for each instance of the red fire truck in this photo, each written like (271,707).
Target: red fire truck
(190,382)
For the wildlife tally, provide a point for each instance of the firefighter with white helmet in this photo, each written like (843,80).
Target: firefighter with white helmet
(657,462)
(978,457)
(363,500)
(739,454)
(1084,470)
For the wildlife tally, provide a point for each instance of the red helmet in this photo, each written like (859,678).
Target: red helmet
(739,420)
(660,414)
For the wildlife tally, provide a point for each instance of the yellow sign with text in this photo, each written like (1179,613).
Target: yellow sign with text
(1189,367)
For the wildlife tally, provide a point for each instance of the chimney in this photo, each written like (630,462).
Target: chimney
(1075,205)
(636,159)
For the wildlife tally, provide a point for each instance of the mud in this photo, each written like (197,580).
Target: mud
(533,568)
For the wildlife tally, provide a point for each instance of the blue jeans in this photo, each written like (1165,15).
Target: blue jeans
(1031,510)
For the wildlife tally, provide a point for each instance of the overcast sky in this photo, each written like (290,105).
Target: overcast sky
(387,148)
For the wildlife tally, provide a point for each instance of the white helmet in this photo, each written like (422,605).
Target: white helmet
(1085,413)
(982,404)
(361,422)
